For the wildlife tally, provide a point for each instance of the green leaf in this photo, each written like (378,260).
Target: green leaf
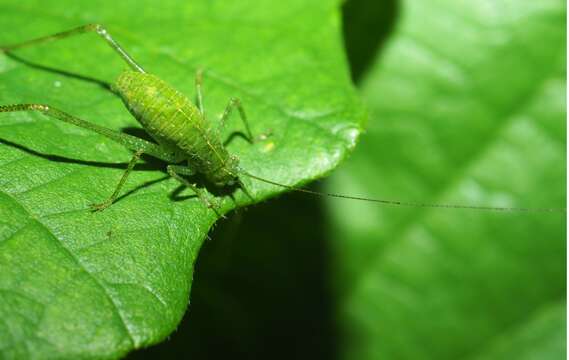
(76,284)
(541,336)
(467,106)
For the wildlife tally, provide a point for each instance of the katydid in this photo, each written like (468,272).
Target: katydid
(185,139)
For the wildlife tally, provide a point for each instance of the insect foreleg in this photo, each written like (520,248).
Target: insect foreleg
(199,96)
(176,170)
(98,29)
(113,197)
(236,103)
(131,142)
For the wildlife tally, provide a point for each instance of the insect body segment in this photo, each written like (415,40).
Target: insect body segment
(177,124)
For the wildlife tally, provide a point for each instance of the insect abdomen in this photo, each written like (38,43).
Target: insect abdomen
(161,110)
(171,119)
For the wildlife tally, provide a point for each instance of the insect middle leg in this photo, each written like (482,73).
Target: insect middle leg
(98,29)
(176,170)
(113,197)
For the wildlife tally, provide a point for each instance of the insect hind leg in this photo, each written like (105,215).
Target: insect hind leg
(131,142)
(97,28)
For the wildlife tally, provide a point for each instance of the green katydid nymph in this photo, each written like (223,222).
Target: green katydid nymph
(184,138)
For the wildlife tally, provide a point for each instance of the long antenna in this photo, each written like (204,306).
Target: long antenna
(407,204)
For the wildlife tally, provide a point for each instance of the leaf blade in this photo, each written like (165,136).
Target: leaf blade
(124,274)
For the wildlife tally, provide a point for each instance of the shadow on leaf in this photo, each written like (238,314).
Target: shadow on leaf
(260,289)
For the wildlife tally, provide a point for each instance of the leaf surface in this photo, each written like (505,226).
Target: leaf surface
(76,284)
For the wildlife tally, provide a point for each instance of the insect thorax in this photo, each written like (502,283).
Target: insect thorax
(176,123)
